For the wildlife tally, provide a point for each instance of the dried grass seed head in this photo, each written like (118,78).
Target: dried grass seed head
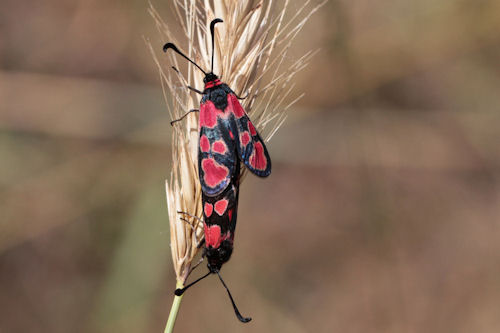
(251,53)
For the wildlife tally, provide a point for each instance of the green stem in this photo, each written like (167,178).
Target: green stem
(169,328)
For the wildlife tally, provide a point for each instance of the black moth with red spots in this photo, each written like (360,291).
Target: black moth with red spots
(219,221)
(227,138)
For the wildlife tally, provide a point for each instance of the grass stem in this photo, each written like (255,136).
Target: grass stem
(169,328)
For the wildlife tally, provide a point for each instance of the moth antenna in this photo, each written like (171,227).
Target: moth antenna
(179,292)
(236,311)
(212,25)
(173,47)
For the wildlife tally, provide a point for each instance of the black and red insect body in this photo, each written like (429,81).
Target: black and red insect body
(227,138)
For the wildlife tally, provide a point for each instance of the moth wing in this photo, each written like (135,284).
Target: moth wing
(216,151)
(251,148)
(219,214)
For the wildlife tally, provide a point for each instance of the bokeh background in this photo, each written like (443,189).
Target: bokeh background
(381,215)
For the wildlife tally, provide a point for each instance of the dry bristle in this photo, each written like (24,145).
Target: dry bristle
(252,43)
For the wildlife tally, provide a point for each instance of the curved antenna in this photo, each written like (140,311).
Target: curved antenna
(236,311)
(212,25)
(173,47)
(179,292)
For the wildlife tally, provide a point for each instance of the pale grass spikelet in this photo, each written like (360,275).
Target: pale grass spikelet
(251,56)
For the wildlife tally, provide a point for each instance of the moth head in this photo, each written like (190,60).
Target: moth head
(216,257)
(210,77)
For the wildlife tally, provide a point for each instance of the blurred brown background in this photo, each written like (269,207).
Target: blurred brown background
(381,215)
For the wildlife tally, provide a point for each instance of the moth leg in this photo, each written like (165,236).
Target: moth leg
(200,245)
(189,87)
(195,90)
(188,223)
(183,116)
(196,265)
(192,216)
(238,97)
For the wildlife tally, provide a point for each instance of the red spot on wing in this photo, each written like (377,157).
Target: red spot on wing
(208,209)
(204,144)
(219,147)
(220,206)
(208,115)
(230,214)
(244,138)
(236,106)
(231,135)
(258,160)
(253,131)
(212,235)
(226,236)
(215,173)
